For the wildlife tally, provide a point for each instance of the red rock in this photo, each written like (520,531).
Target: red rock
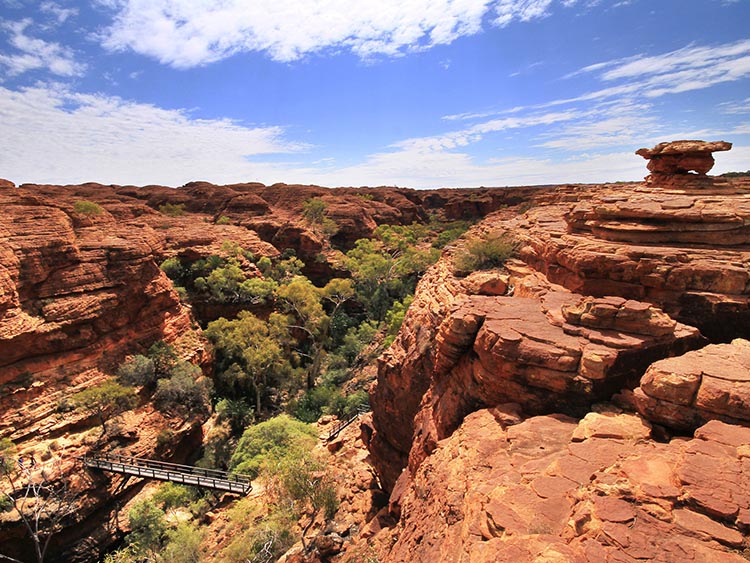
(705,384)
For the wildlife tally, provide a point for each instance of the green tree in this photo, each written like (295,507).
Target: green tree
(185,391)
(302,300)
(139,370)
(148,527)
(306,482)
(236,412)
(105,401)
(249,353)
(164,357)
(270,441)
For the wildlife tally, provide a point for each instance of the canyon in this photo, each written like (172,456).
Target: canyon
(588,400)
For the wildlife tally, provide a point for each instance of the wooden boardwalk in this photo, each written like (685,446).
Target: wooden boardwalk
(163,471)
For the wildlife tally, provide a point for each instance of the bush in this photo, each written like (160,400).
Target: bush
(269,440)
(223,220)
(485,252)
(139,370)
(164,357)
(171,495)
(236,412)
(148,526)
(183,544)
(313,403)
(185,391)
(84,207)
(172,210)
(173,268)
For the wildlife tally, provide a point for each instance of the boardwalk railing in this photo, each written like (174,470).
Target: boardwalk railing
(341,424)
(163,471)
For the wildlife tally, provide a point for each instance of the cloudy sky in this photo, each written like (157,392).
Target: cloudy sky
(418,93)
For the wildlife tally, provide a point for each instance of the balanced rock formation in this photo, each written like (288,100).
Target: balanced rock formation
(679,158)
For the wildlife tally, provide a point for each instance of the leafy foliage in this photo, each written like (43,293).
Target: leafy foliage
(85,207)
(268,441)
(139,371)
(185,391)
(105,400)
(482,253)
(249,355)
(172,209)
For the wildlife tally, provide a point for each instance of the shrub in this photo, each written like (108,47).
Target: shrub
(236,412)
(172,210)
(171,495)
(223,220)
(84,207)
(148,526)
(164,438)
(272,439)
(485,252)
(313,403)
(164,357)
(173,268)
(183,544)
(185,391)
(139,370)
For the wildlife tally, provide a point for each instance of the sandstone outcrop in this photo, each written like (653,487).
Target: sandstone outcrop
(679,158)
(614,289)
(553,489)
(712,383)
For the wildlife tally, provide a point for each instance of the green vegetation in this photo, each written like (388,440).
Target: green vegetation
(172,209)
(105,400)
(485,252)
(223,220)
(184,392)
(85,207)
(139,371)
(736,174)
(314,210)
(269,442)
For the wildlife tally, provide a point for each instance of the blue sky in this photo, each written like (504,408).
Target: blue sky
(417,93)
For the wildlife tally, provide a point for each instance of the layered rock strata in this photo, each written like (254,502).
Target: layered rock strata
(689,390)
(611,290)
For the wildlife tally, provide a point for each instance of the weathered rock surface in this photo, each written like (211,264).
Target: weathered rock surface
(689,390)
(552,489)
(609,289)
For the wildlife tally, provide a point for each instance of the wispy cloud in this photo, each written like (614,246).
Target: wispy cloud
(184,33)
(735,107)
(33,53)
(59,135)
(59,13)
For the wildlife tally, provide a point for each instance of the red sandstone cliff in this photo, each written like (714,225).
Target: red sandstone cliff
(472,431)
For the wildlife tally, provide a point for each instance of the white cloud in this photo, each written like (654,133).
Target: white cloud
(37,54)
(60,14)
(185,33)
(51,134)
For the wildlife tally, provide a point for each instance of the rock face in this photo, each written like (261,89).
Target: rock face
(488,425)
(689,390)
(552,489)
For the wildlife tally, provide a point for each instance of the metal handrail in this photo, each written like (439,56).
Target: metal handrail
(336,430)
(165,471)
